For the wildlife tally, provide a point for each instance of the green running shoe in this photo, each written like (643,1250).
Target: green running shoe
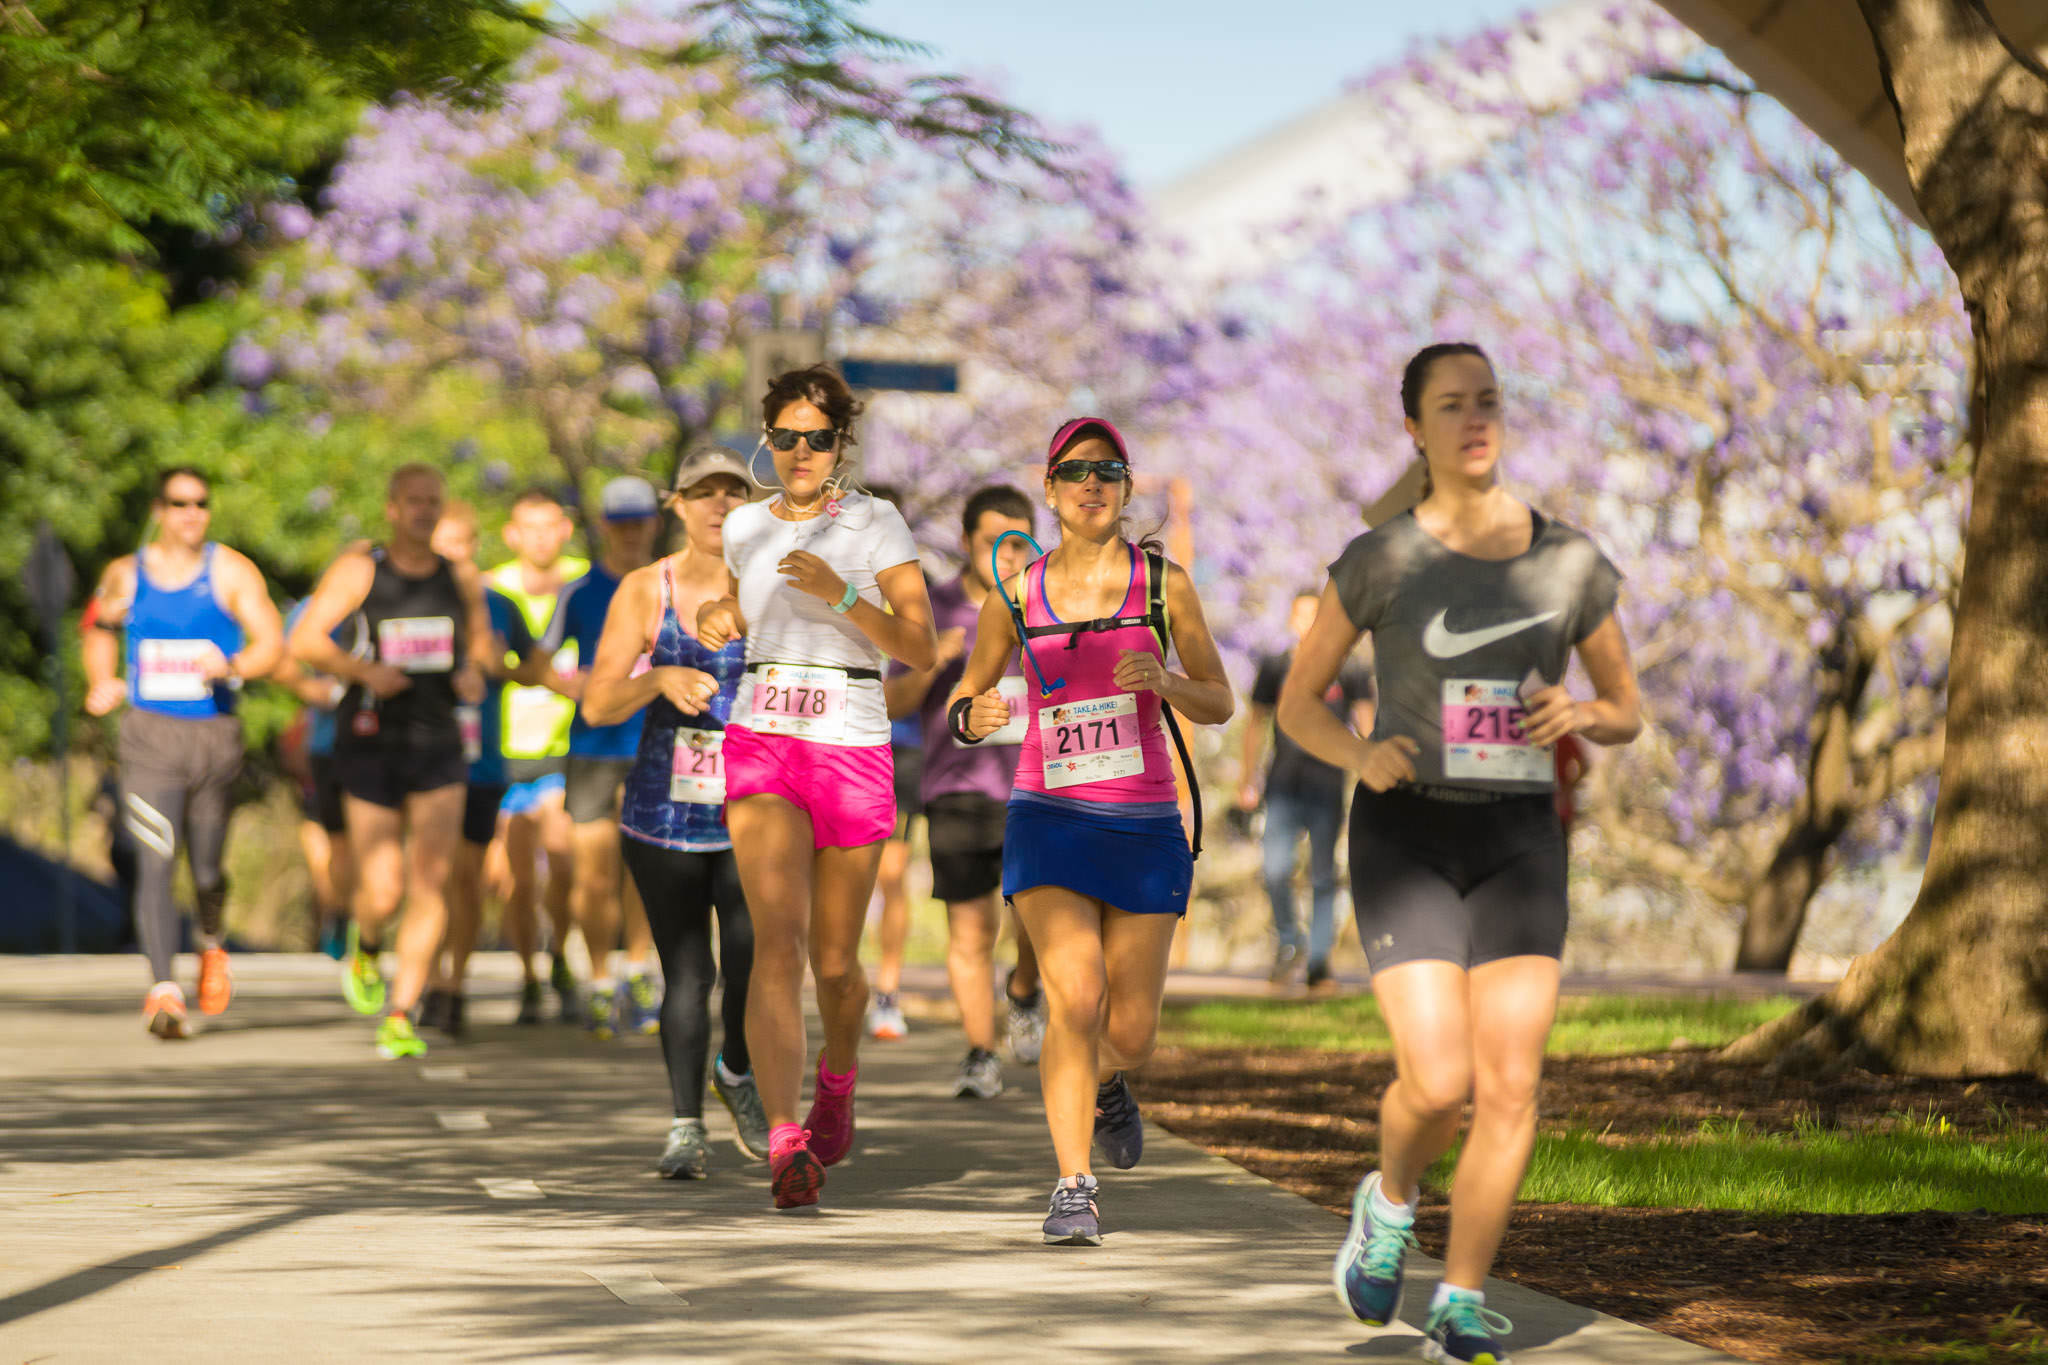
(396,1039)
(362,985)
(602,1018)
(643,1006)
(564,982)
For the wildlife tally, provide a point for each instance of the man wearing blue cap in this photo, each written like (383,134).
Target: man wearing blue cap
(599,758)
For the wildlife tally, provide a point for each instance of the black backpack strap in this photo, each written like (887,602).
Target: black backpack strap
(1155,617)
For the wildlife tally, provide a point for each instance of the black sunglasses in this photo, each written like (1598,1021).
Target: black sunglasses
(785,438)
(1077,471)
(182,503)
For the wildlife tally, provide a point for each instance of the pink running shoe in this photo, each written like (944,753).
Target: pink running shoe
(795,1177)
(830,1121)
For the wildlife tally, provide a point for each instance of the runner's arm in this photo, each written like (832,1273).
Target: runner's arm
(904,632)
(610,692)
(995,640)
(248,601)
(1317,660)
(482,647)
(1614,716)
(102,644)
(1202,691)
(340,593)
(906,691)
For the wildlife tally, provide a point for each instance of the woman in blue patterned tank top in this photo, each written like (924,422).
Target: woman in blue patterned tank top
(673,813)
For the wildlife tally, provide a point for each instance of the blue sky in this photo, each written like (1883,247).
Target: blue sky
(1171,85)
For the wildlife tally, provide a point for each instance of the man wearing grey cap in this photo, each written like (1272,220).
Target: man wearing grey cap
(599,757)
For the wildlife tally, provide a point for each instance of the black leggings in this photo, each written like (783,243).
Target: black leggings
(680,890)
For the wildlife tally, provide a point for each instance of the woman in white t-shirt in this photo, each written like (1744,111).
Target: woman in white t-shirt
(827,584)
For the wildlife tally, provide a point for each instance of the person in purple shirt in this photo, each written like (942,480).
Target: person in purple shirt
(966,794)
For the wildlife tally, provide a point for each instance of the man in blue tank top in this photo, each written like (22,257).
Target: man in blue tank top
(398,738)
(600,756)
(198,621)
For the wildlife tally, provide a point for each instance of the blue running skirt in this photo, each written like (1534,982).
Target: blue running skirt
(1135,862)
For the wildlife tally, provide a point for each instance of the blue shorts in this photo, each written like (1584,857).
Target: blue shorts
(524,798)
(1131,858)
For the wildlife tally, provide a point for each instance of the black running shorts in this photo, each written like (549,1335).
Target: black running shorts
(480,813)
(593,787)
(386,778)
(1446,881)
(909,760)
(323,802)
(966,834)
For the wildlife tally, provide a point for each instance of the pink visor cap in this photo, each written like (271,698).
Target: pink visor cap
(1078,428)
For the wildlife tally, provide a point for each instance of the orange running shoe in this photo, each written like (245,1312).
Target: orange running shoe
(216,981)
(163,1011)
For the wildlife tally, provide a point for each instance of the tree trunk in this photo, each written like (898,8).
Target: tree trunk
(1962,987)
(1776,909)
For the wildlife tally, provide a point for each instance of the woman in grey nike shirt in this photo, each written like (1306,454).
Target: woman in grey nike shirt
(1475,602)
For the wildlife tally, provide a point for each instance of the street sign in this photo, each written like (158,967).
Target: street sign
(50,579)
(902,376)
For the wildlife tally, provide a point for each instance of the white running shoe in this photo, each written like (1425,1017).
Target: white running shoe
(885,1018)
(980,1075)
(1026,1027)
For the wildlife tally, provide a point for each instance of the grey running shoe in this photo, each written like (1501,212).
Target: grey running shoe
(1026,1026)
(980,1076)
(743,1101)
(688,1154)
(1073,1220)
(1119,1132)
(1284,963)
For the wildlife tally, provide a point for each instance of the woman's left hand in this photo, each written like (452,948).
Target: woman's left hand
(808,573)
(1551,715)
(1137,671)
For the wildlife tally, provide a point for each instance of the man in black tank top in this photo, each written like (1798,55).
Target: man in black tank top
(424,645)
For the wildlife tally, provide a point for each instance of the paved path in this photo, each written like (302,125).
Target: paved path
(270,1191)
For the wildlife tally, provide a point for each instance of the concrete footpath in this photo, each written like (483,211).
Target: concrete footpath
(272,1191)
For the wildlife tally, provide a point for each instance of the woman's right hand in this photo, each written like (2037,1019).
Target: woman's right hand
(989,713)
(1387,762)
(689,690)
(718,622)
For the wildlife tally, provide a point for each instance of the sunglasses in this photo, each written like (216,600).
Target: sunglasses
(183,504)
(785,438)
(1077,471)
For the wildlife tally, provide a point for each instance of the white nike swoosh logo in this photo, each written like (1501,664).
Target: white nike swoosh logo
(1441,642)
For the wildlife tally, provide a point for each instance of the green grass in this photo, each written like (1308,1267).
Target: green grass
(1593,1025)
(1914,1165)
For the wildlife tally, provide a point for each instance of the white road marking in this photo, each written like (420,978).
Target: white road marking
(638,1288)
(510,1189)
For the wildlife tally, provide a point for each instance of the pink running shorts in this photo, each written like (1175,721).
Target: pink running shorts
(849,793)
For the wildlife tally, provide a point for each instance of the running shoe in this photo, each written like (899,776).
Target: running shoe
(688,1154)
(529,1004)
(163,1011)
(1284,961)
(601,1018)
(395,1039)
(980,1076)
(1462,1332)
(564,982)
(1119,1132)
(456,1026)
(830,1121)
(795,1177)
(334,937)
(216,981)
(885,1018)
(1074,1220)
(1319,977)
(643,1006)
(743,1101)
(1025,1025)
(362,985)
(1368,1272)
(434,1009)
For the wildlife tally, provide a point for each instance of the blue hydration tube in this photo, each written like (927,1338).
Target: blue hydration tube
(1045,689)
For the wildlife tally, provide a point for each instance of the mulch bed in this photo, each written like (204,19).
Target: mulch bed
(1804,1287)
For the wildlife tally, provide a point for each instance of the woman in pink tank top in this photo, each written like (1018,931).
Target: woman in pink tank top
(1095,857)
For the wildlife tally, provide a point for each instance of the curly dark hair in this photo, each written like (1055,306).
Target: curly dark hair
(823,389)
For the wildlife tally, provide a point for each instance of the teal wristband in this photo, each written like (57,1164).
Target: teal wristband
(845,604)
